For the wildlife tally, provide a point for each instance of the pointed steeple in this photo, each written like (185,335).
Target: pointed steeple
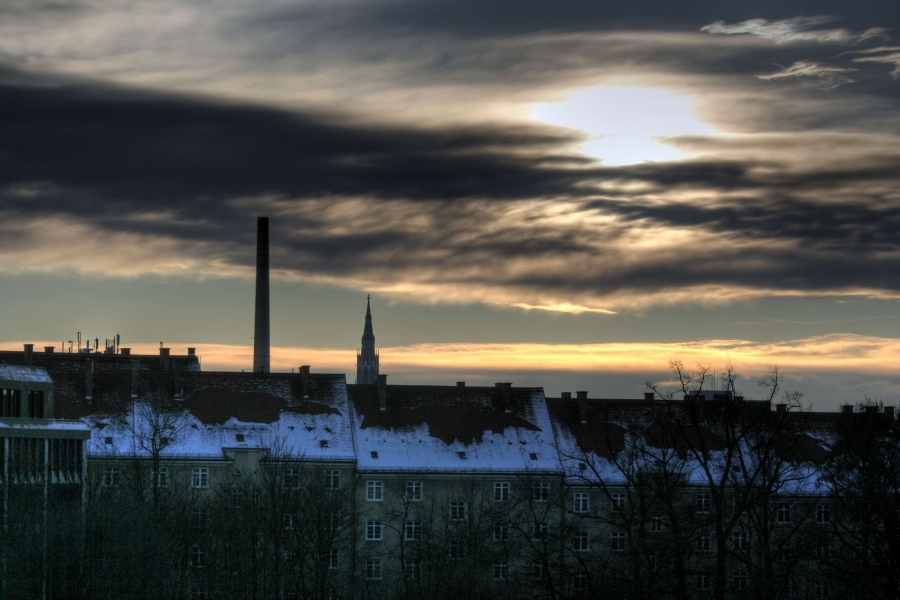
(367,357)
(368,334)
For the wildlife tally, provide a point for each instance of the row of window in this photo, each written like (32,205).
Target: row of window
(199,477)
(197,557)
(500,569)
(458,510)
(11,404)
(375,491)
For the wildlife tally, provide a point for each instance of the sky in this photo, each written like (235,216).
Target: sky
(567,194)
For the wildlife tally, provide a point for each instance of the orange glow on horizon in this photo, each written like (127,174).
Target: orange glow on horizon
(838,353)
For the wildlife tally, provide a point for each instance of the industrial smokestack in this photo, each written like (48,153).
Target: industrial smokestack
(261,328)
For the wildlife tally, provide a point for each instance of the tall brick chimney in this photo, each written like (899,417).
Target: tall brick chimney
(381,391)
(582,407)
(261,326)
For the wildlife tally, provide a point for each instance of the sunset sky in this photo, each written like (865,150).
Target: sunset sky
(566,194)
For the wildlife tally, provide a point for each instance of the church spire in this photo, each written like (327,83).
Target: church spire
(367,357)
(368,334)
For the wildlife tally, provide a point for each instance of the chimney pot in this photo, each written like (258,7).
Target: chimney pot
(460,384)
(889,413)
(582,407)
(49,349)
(871,410)
(382,392)
(164,359)
(565,395)
(847,409)
(29,354)
(648,395)
(304,380)
(781,407)
(506,397)
(192,352)
(89,382)
(125,351)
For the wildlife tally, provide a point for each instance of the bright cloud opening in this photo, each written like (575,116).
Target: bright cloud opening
(626,122)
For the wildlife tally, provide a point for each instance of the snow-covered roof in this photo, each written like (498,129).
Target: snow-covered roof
(603,438)
(23,373)
(219,411)
(452,429)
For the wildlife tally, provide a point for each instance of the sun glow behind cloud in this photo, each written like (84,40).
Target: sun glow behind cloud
(625,122)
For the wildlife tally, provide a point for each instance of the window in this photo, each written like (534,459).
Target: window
(581,503)
(618,500)
(458,511)
(790,591)
(537,570)
(541,492)
(457,549)
(255,498)
(822,515)
(162,477)
(740,540)
(581,541)
(291,479)
(501,570)
(501,491)
(198,593)
(374,531)
(199,517)
(501,531)
(653,560)
(617,541)
(413,531)
(111,477)
(783,513)
(35,408)
(701,583)
(237,498)
(580,581)
(334,520)
(411,569)
(703,503)
(332,480)
(703,543)
(784,553)
(414,491)
(821,591)
(9,399)
(334,558)
(539,530)
(373,569)
(288,520)
(256,538)
(374,491)
(200,477)
(656,524)
(196,557)
(739,579)
(823,553)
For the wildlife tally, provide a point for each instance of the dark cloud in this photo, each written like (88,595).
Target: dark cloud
(437,205)
(473,18)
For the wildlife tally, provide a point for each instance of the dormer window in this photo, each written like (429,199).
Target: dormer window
(374,454)
(239,437)
(462,455)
